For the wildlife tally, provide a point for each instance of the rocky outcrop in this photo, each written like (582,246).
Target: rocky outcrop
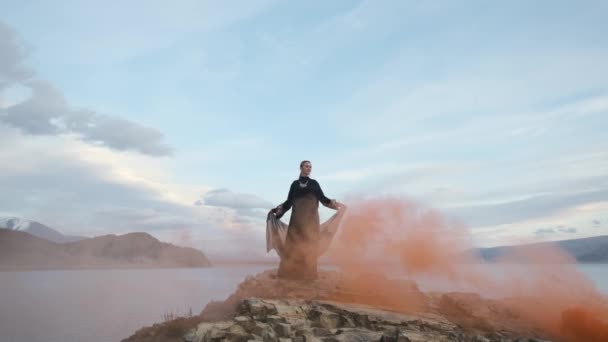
(300,320)
(339,308)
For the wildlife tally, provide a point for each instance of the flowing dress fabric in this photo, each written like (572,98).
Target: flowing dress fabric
(300,243)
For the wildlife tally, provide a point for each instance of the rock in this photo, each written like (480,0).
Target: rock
(321,332)
(260,328)
(329,320)
(191,336)
(324,318)
(299,325)
(311,338)
(363,321)
(246,322)
(288,310)
(355,335)
(282,329)
(401,337)
(348,322)
(210,331)
(398,336)
(265,331)
(258,309)
(215,334)
(274,319)
(237,333)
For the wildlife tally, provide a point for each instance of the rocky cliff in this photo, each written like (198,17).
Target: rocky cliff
(335,308)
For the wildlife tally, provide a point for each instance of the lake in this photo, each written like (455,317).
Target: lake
(109,305)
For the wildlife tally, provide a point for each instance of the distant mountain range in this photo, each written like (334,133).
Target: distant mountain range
(32,245)
(36,229)
(21,250)
(585,250)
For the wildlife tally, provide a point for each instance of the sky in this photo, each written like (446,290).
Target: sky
(189,121)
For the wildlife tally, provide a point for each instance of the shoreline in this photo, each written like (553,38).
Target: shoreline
(228,264)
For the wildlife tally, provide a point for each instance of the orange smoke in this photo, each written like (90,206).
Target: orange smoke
(580,324)
(392,237)
(398,233)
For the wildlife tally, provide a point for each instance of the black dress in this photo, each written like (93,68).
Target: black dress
(300,250)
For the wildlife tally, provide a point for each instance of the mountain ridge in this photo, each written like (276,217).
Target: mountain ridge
(20,250)
(37,229)
(585,250)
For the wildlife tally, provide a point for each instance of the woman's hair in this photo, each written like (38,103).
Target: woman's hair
(304,162)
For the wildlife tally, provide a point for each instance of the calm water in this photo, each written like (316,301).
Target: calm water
(109,305)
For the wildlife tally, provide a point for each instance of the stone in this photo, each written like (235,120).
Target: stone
(348,322)
(355,335)
(299,325)
(321,332)
(329,320)
(273,319)
(397,336)
(258,308)
(289,310)
(246,322)
(363,321)
(237,333)
(311,338)
(282,329)
(215,333)
(270,336)
(265,331)
(259,328)
(212,331)
(202,329)
(190,336)
(402,337)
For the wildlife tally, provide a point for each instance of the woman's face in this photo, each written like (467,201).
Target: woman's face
(305,169)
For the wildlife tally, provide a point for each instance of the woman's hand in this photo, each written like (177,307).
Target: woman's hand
(335,205)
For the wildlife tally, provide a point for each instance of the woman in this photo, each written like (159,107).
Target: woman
(300,250)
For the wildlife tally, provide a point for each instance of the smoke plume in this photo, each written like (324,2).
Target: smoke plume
(394,237)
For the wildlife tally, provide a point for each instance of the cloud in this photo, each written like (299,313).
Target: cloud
(12,56)
(559,229)
(46,111)
(545,231)
(562,223)
(46,175)
(229,199)
(524,209)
